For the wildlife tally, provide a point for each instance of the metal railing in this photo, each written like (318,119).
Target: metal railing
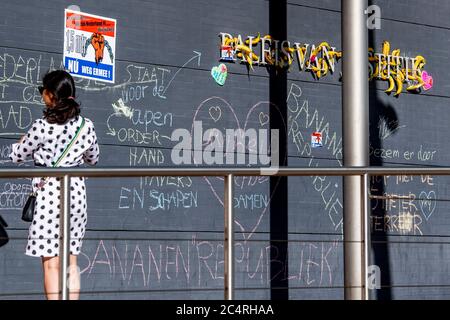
(228,173)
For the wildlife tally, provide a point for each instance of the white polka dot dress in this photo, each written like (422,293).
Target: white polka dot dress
(45,142)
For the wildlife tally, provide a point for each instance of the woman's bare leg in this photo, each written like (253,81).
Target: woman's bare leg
(74,279)
(51,278)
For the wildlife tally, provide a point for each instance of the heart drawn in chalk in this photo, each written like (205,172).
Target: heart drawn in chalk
(215,113)
(263,119)
(257,115)
(220,74)
(427,203)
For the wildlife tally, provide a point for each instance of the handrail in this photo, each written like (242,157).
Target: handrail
(228,174)
(118,172)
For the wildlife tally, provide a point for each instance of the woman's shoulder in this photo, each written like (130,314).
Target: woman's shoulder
(89,124)
(39,122)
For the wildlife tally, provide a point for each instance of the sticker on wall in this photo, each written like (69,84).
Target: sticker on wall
(227,53)
(316,140)
(219,74)
(89,46)
(427,81)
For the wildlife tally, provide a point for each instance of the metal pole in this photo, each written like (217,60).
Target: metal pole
(64,237)
(366,219)
(229,238)
(355,117)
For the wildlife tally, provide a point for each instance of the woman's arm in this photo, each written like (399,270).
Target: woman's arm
(92,154)
(28,144)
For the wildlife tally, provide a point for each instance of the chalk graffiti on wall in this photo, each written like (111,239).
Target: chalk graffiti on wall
(143,126)
(199,263)
(218,112)
(404,213)
(303,118)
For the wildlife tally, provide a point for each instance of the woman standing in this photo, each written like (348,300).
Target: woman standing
(45,142)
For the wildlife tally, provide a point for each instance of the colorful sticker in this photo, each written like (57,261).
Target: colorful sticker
(90,46)
(427,81)
(220,74)
(227,53)
(316,140)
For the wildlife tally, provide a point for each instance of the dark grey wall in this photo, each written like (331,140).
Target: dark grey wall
(137,250)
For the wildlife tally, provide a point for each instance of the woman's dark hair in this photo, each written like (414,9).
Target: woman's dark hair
(60,83)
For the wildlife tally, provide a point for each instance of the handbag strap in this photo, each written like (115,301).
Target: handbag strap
(65,152)
(3,222)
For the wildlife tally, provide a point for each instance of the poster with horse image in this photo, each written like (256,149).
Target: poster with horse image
(89,45)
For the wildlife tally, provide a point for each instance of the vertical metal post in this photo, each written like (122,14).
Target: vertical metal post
(355,117)
(229,238)
(366,219)
(64,252)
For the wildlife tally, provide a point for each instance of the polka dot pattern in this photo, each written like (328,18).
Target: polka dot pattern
(44,142)
(44,233)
